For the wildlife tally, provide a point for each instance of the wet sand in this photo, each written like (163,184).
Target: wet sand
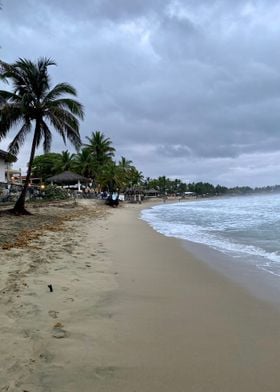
(131,311)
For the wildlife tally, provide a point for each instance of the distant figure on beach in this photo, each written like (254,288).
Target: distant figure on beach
(138,198)
(113,199)
(104,195)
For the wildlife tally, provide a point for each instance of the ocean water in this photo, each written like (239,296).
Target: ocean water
(246,228)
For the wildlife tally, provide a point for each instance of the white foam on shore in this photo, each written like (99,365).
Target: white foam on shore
(239,227)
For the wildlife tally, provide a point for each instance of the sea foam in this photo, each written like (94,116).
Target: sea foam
(247,228)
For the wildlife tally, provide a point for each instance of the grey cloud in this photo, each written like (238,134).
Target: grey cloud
(175,150)
(117,10)
(170,82)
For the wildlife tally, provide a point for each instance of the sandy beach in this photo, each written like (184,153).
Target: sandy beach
(130,311)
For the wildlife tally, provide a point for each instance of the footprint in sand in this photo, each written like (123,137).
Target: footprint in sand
(46,356)
(56,257)
(53,313)
(69,299)
(58,332)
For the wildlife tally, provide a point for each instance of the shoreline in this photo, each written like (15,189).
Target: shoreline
(205,332)
(131,310)
(259,282)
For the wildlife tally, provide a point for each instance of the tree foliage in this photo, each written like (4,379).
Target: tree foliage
(46,165)
(35,107)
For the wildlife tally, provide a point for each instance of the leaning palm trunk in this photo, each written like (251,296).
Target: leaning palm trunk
(19,208)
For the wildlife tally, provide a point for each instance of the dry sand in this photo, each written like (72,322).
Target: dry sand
(131,311)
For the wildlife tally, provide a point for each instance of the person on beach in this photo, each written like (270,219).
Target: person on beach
(113,199)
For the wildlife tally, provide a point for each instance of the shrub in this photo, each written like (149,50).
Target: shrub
(53,192)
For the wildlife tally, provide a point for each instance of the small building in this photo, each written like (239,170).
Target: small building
(151,193)
(6,161)
(189,194)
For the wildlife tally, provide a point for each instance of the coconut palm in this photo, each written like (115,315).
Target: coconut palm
(136,177)
(110,177)
(100,148)
(34,106)
(125,164)
(66,161)
(83,163)
(125,168)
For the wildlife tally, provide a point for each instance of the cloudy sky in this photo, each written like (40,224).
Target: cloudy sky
(189,89)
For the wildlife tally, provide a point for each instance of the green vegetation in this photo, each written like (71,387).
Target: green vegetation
(108,174)
(53,192)
(95,161)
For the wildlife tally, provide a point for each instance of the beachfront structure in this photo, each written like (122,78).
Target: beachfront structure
(6,161)
(151,193)
(68,178)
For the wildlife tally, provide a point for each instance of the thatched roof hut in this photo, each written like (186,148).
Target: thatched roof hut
(151,192)
(68,178)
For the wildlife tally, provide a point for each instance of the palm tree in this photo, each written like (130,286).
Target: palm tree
(83,163)
(100,148)
(110,177)
(125,168)
(125,164)
(136,177)
(66,161)
(33,104)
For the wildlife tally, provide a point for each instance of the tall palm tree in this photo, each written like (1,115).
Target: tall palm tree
(136,177)
(125,164)
(66,161)
(125,168)
(100,148)
(34,105)
(110,177)
(83,163)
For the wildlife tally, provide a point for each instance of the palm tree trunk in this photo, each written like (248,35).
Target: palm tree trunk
(19,208)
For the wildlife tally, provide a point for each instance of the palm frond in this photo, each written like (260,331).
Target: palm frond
(47,137)
(31,98)
(15,145)
(66,124)
(4,69)
(33,77)
(8,96)
(10,116)
(68,104)
(57,123)
(59,89)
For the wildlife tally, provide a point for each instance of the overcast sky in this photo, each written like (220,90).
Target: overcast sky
(189,89)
